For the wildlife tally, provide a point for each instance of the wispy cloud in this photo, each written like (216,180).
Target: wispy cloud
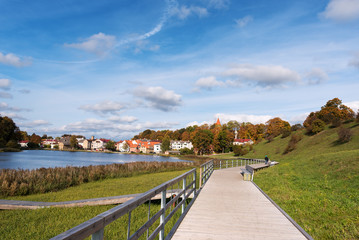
(13,60)
(5,95)
(341,10)
(242,22)
(104,107)
(5,83)
(355,61)
(218,4)
(184,11)
(316,76)
(98,43)
(12,115)
(35,123)
(5,107)
(159,98)
(208,83)
(121,119)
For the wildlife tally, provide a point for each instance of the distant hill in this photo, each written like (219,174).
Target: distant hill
(317,183)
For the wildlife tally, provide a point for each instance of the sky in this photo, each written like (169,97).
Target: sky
(114,68)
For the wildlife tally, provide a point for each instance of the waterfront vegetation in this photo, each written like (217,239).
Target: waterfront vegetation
(24,182)
(317,182)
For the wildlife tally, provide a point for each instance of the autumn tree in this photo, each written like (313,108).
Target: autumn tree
(202,141)
(275,127)
(334,111)
(34,138)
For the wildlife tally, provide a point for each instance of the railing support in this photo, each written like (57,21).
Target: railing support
(98,235)
(161,236)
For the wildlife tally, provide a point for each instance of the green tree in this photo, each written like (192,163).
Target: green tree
(110,145)
(318,126)
(222,141)
(165,145)
(202,141)
(35,139)
(8,131)
(73,142)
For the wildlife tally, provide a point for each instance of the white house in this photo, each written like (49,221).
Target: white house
(23,144)
(122,146)
(177,145)
(157,148)
(99,144)
(242,141)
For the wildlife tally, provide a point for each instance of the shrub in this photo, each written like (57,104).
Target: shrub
(344,135)
(186,151)
(292,144)
(240,150)
(286,133)
(336,122)
(317,126)
(296,127)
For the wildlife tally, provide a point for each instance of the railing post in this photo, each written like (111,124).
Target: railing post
(232,162)
(129,225)
(161,236)
(226,163)
(220,164)
(184,195)
(98,235)
(200,176)
(194,183)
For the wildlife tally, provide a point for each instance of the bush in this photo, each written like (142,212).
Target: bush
(186,151)
(296,127)
(344,134)
(317,126)
(286,133)
(240,150)
(292,144)
(336,122)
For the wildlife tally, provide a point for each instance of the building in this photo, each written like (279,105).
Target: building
(242,141)
(157,148)
(99,144)
(177,145)
(23,144)
(64,143)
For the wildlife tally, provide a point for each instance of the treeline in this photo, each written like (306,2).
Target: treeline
(9,133)
(23,182)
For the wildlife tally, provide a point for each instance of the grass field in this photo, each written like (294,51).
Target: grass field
(317,184)
(49,222)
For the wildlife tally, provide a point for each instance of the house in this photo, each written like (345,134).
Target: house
(52,142)
(242,141)
(177,145)
(64,143)
(99,144)
(23,144)
(122,146)
(157,148)
(86,144)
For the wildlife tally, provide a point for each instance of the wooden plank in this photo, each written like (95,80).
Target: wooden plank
(230,208)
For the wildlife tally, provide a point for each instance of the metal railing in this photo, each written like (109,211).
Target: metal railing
(174,194)
(205,171)
(237,162)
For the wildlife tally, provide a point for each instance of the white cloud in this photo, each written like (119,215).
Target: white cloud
(103,107)
(35,123)
(353,105)
(254,119)
(208,83)
(5,83)
(13,60)
(183,12)
(159,98)
(267,76)
(127,119)
(298,118)
(12,115)
(197,123)
(218,3)
(5,95)
(98,43)
(242,22)
(342,10)
(316,76)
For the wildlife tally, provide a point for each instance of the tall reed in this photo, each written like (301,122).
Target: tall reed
(23,182)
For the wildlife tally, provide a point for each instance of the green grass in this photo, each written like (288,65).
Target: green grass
(317,184)
(49,222)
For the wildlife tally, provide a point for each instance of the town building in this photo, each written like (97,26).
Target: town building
(177,145)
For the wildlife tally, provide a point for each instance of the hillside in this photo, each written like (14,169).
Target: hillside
(317,183)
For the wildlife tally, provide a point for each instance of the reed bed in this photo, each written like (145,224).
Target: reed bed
(24,182)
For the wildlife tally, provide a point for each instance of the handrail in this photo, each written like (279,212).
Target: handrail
(96,225)
(206,170)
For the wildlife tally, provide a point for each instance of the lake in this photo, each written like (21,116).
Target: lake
(32,159)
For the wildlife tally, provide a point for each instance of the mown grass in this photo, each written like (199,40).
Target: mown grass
(49,222)
(317,184)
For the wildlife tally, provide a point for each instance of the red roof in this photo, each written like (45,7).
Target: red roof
(218,122)
(242,140)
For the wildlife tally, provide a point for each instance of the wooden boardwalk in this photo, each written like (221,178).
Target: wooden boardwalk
(230,208)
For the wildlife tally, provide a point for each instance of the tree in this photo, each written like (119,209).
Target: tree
(317,126)
(73,142)
(165,145)
(35,139)
(222,141)
(276,126)
(8,131)
(202,141)
(110,145)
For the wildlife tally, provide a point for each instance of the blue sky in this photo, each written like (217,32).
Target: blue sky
(115,68)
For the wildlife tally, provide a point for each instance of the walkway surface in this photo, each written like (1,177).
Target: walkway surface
(230,208)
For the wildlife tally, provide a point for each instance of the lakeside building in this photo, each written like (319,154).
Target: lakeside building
(242,141)
(23,144)
(177,145)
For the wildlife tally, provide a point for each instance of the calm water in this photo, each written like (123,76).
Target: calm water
(36,159)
